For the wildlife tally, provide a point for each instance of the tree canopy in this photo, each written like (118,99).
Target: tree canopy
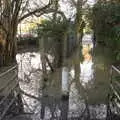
(12,12)
(106,24)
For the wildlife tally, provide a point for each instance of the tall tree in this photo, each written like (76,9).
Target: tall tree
(12,12)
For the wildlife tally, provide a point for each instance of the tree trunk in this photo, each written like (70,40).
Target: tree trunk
(8,48)
(78,20)
(58,55)
(42,57)
(2,46)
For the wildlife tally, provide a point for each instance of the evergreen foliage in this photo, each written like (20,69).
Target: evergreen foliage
(106,24)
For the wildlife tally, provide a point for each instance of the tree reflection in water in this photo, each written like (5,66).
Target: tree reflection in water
(45,100)
(80,97)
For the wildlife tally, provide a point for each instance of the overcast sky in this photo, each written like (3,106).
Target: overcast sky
(65,7)
(70,12)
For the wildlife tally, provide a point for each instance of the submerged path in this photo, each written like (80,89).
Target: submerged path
(77,91)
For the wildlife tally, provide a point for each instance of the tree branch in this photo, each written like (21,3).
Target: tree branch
(50,65)
(74,3)
(51,11)
(84,2)
(35,11)
(4,29)
(29,95)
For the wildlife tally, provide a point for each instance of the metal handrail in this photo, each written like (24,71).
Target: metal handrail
(113,88)
(9,82)
(116,69)
(9,70)
(4,98)
(7,108)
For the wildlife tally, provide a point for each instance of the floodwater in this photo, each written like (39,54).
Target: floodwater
(76,91)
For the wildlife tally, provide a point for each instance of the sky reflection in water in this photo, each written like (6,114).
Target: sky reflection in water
(51,105)
(86,67)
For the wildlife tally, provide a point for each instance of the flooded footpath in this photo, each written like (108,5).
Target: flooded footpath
(76,91)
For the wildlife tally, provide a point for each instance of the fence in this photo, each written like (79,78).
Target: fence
(114,94)
(8,91)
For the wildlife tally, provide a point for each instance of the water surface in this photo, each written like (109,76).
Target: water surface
(77,90)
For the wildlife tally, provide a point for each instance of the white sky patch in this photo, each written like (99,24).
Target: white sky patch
(37,3)
(67,9)
(91,2)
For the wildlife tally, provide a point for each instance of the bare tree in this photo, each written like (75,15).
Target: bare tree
(12,12)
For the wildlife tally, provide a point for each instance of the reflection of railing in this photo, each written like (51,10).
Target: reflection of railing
(114,96)
(8,90)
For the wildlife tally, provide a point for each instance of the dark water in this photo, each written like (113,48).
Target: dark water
(76,91)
